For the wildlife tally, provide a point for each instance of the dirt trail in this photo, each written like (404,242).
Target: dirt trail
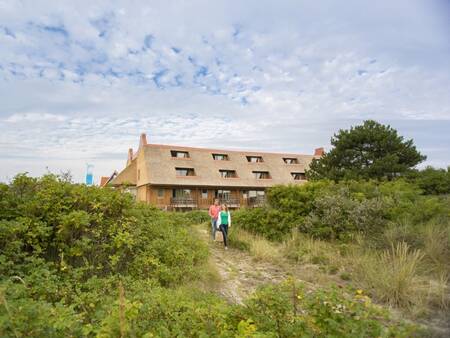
(240,273)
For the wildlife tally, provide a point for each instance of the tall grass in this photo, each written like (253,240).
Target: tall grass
(260,248)
(305,249)
(392,274)
(437,246)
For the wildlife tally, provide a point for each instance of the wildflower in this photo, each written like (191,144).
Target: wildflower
(359,292)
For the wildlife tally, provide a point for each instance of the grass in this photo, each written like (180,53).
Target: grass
(259,248)
(391,275)
(305,249)
(439,293)
(407,268)
(437,247)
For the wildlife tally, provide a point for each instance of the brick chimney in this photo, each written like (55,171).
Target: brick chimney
(130,156)
(143,140)
(319,152)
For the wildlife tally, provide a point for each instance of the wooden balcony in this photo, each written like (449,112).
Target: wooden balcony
(257,201)
(231,202)
(203,203)
(183,202)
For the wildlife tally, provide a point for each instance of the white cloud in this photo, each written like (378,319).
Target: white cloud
(34,117)
(81,80)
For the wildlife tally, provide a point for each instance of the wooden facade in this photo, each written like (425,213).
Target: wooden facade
(165,197)
(177,177)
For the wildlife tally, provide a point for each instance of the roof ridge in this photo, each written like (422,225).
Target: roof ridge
(224,150)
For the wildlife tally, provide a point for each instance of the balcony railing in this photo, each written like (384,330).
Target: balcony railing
(257,201)
(231,202)
(183,202)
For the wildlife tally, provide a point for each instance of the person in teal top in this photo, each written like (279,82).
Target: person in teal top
(224,220)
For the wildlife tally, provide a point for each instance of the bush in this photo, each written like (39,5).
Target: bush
(24,316)
(432,181)
(92,230)
(64,247)
(285,310)
(191,217)
(267,222)
(337,215)
(296,201)
(329,210)
(85,261)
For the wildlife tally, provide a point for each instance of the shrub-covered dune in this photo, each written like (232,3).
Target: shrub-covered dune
(81,261)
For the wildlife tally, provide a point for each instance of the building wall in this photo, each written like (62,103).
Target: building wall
(141,195)
(163,200)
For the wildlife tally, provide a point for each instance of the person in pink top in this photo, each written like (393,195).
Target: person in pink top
(214,214)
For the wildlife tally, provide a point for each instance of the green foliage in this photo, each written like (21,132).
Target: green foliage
(296,199)
(63,248)
(287,208)
(432,181)
(83,261)
(337,215)
(267,222)
(285,310)
(366,151)
(160,312)
(22,315)
(190,217)
(96,231)
(329,210)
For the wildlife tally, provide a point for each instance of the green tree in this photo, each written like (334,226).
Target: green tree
(366,151)
(432,181)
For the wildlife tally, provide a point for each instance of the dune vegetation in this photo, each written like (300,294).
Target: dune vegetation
(84,261)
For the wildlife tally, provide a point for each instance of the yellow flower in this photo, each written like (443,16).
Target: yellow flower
(359,292)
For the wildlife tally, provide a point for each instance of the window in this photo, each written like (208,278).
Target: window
(290,160)
(179,154)
(254,159)
(299,176)
(261,174)
(228,173)
(185,171)
(256,193)
(220,157)
(181,193)
(223,194)
(160,193)
(244,194)
(139,174)
(204,193)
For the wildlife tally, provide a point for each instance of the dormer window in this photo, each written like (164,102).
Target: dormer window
(290,160)
(255,159)
(228,173)
(220,157)
(185,171)
(298,176)
(261,175)
(179,154)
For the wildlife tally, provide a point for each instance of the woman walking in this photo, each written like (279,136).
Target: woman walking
(224,220)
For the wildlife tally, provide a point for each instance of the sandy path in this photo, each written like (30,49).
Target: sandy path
(240,273)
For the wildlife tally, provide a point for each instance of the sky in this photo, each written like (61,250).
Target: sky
(80,80)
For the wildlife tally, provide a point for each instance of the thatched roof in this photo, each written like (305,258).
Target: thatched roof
(154,164)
